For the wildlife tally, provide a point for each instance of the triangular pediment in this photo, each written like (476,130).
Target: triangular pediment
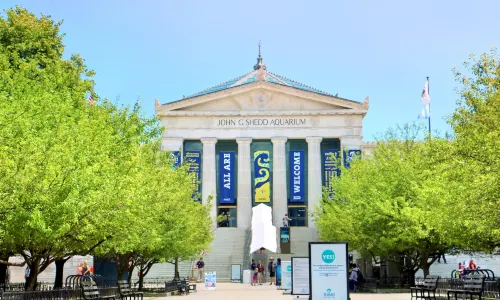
(261,96)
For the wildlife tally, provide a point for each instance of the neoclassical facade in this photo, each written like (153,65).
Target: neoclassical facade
(263,138)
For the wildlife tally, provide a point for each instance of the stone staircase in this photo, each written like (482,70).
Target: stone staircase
(228,248)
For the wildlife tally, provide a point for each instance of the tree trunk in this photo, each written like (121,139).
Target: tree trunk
(58,282)
(31,281)
(176,275)
(424,263)
(122,266)
(141,281)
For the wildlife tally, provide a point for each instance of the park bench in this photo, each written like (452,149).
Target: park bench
(473,286)
(424,290)
(170,286)
(126,291)
(91,292)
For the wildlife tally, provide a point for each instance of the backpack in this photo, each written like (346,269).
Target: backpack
(360,276)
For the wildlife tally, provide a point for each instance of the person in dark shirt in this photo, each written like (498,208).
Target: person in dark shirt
(253,265)
(201,269)
(271,266)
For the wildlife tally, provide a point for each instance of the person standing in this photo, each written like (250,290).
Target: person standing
(278,272)
(27,273)
(271,266)
(201,269)
(286,220)
(353,278)
(260,269)
(7,275)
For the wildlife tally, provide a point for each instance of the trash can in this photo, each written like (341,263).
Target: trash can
(247,276)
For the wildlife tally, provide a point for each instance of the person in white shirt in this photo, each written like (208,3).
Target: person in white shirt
(353,278)
(286,220)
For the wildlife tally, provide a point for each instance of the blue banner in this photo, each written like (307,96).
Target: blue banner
(176,158)
(330,169)
(349,156)
(193,160)
(297,176)
(226,178)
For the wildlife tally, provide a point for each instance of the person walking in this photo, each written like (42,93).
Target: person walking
(271,266)
(201,269)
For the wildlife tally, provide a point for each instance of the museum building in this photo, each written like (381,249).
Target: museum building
(262,138)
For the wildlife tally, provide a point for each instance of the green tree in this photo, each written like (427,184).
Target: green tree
(166,223)
(475,155)
(392,204)
(61,159)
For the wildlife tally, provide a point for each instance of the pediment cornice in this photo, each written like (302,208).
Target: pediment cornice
(175,108)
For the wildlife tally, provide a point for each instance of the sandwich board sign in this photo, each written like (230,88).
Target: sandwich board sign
(300,275)
(328,271)
(210,280)
(286,275)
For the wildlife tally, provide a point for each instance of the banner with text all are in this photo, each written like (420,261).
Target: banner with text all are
(296,168)
(226,178)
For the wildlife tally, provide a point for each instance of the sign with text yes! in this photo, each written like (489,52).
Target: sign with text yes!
(328,271)
(226,177)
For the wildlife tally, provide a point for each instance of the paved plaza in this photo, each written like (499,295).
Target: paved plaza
(236,291)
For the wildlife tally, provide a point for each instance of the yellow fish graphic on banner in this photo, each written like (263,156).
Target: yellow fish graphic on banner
(262,182)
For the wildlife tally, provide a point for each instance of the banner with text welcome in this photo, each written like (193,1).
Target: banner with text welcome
(297,182)
(226,178)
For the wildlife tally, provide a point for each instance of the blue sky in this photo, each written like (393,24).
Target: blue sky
(381,49)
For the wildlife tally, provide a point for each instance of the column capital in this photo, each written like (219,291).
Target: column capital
(243,140)
(279,139)
(314,139)
(208,140)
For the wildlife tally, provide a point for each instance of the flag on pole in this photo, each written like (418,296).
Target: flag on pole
(426,102)
(91,101)
(424,113)
(426,99)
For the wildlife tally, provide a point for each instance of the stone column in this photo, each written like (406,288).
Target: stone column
(314,185)
(244,201)
(279,182)
(209,175)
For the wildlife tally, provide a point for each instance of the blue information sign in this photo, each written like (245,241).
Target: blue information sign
(349,156)
(226,178)
(193,160)
(297,176)
(330,169)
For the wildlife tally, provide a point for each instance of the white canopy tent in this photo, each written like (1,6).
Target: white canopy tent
(263,231)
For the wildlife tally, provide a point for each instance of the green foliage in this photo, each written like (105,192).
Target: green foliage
(475,155)
(75,176)
(391,204)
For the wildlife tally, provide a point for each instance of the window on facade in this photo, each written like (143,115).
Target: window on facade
(227,216)
(298,215)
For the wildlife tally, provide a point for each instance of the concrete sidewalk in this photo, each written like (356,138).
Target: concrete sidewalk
(237,291)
